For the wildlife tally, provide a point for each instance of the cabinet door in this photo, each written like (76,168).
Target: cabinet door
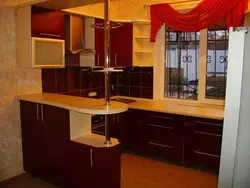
(80,166)
(106,167)
(74,33)
(203,142)
(99,43)
(132,137)
(116,124)
(47,23)
(31,137)
(55,122)
(121,45)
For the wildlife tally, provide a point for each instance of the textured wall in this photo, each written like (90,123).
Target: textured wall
(13,82)
(119,9)
(11,3)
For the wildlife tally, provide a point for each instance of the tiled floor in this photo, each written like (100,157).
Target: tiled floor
(140,172)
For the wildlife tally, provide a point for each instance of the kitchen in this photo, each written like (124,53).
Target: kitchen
(174,130)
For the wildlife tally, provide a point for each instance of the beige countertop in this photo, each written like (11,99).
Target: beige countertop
(178,107)
(96,106)
(77,104)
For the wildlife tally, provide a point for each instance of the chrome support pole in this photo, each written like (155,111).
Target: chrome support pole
(107,63)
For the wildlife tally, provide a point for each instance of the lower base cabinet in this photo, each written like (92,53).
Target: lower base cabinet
(49,153)
(94,167)
(187,140)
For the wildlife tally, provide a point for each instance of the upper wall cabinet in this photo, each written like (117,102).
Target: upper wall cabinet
(40,39)
(121,45)
(47,23)
(74,33)
(99,43)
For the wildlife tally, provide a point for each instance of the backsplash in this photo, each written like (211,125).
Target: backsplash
(134,82)
(80,81)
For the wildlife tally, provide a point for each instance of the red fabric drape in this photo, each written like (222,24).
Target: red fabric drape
(207,13)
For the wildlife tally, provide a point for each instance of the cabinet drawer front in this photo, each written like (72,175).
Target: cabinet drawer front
(162,119)
(208,125)
(161,150)
(204,160)
(160,134)
(207,144)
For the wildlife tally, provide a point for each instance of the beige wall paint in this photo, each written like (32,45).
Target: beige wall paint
(12,3)
(128,10)
(11,84)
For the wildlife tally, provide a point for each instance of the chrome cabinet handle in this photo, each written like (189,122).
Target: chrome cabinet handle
(160,126)
(208,123)
(98,60)
(51,35)
(91,157)
(161,145)
(42,113)
(115,59)
(37,112)
(162,117)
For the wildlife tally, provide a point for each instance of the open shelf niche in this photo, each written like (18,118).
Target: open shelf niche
(143,49)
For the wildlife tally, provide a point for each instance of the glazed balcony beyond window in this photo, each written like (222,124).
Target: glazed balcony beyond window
(182,57)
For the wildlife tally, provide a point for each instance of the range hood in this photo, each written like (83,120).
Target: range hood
(80,36)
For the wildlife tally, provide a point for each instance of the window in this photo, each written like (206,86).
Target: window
(217,53)
(183,64)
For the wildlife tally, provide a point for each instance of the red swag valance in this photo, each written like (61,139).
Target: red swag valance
(207,13)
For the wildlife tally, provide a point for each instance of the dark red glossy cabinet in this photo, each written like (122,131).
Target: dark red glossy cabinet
(47,23)
(203,142)
(32,138)
(121,45)
(188,140)
(99,43)
(132,137)
(162,135)
(49,153)
(45,137)
(94,167)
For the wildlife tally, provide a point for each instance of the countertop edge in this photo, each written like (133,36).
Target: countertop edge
(76,109)
(176,113)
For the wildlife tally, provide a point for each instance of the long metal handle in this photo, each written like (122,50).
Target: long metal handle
(50,35)
(160,126)
(98,60)
(42,113)
(37,112)
(91,157)
(115,59)
(161,145)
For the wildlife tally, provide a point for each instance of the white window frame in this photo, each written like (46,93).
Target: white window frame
(159,70)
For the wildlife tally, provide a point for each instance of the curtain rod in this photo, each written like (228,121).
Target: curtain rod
(188,1)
